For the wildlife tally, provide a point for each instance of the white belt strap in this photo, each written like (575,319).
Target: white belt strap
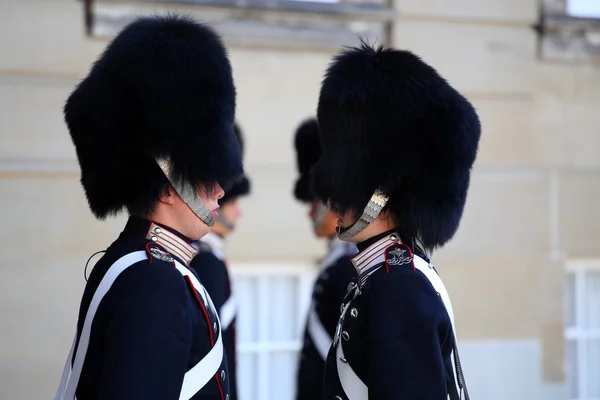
(227,312)
(205,369)
(195,282)
(439,287)
(318,334)
(194,379)
(203,372)
(353,386)
(437,284)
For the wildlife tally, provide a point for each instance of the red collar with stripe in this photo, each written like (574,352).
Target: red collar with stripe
(375,253)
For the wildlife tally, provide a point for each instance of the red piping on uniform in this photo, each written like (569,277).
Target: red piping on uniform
(210,333)
(387,267)
(412,258)
(148,251)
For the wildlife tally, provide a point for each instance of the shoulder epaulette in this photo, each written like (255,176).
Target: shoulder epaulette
(155,251)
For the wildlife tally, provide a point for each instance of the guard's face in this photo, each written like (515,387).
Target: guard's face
(328,223)
(346,219)
(384,222)
(232,212)
(193,226)
(210,197)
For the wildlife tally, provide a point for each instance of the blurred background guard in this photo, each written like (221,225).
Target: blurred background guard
(211,267)
(335,274)
(139,133)
(398,146)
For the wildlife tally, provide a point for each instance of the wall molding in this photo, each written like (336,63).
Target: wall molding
(565,38)
(276,23)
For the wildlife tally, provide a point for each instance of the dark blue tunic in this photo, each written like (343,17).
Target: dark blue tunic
(150,328)
(396,334)
(328,294)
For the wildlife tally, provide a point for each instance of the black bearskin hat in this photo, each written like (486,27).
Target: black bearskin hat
(162,89)
(308,151)
(389,121)
(241,187)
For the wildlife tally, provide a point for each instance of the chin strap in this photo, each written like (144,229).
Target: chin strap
(224,221)
(320,215)
(187,192)
(371,211)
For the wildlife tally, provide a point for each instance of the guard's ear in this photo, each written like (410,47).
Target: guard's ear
(168,195)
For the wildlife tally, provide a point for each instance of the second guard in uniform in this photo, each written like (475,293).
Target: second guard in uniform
(152,127)
(336,272)
(398,144)
(211,266)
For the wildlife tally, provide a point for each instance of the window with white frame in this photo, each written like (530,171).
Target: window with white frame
(569,31)
(583,8)
(272,304)
(583,329)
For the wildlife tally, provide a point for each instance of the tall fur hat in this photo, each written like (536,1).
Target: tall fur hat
(241,187)
(308,151)
(162,88)
(389,121)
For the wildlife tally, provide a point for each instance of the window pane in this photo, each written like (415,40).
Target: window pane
(593,368)
(282,367)
(592,303)
(572,373)
(283,321)
(570,300)
(247,376)
(247,317)
(583,8)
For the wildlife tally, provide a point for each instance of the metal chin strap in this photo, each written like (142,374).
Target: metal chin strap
(320,215)
(371,211)
(224,221)
(187,192)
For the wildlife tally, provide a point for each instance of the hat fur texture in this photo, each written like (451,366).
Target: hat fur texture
(241,187)
(389,121)
(308,151)
(162,88)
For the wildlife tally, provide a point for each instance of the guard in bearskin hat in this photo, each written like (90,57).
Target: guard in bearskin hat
(335,274)
(211,266)
(398,146)
(152,125)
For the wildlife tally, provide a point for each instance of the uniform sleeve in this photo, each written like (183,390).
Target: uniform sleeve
(212,273)
(148,337)
(407,323)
